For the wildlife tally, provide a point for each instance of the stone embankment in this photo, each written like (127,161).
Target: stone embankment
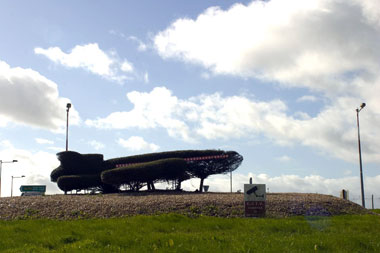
(187,203)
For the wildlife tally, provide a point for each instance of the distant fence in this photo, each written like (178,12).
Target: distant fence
(369,200)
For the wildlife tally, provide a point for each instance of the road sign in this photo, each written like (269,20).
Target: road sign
(254,192)
(254,200)
(33,188)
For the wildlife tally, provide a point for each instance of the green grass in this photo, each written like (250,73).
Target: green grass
(376,210)
(176,233)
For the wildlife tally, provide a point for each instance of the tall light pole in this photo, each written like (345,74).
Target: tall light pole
(1,166)
(360,153)
(68,106)
(12,184)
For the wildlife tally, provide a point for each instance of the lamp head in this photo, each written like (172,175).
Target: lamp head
(14,161)
(362,105)
(68,105)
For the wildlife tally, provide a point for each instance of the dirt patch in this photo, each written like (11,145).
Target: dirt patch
(148,203)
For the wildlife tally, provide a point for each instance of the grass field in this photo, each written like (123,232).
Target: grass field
(176,233)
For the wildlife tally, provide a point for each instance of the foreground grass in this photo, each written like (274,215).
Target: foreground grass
(176,233)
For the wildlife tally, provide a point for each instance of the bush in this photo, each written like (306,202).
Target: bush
(78,182)
(111,163)
(56,173)
(94,162)
(146,168)
(73,163)
(107,188)
(205,168)
(164,169)
(70,160)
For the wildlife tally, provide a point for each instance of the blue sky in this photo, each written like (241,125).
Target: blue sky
(278,81)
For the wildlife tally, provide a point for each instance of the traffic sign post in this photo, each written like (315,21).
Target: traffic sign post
(254,200)
(32,190)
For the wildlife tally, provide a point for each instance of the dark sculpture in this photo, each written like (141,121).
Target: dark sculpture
(89,171)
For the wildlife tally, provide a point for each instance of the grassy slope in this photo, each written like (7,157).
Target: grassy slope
(176,233)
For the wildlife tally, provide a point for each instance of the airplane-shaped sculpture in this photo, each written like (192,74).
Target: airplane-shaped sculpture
(84,171)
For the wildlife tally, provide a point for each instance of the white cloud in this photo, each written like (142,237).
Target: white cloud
(328,46)
(205,75)
(29,98)
(142,46)
(146,77)
(126,66)
(291,183)
(307,98)
(314,44)
(295,183)
(91,58)
(137,143)
(96,144)
(332,131)
(284,158)
(43,141)
(3,121)
(154,109)
(55,149)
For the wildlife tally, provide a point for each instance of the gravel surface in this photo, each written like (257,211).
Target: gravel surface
(148,203)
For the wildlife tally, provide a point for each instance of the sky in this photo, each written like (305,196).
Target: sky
(278,81)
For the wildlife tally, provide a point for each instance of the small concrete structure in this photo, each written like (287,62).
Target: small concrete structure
(344,194)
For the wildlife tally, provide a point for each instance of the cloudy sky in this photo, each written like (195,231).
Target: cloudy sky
(277,81)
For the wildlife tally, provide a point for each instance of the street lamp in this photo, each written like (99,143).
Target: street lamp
(1,166)
(12,184)
(360,153)
(68,106)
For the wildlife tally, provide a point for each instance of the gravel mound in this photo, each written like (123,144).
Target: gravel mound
(188,203)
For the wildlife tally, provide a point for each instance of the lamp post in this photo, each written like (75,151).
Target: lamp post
(360,153)
(1,166)
(68,106)
(12,184)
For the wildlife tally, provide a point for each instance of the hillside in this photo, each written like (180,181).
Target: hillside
(147,203)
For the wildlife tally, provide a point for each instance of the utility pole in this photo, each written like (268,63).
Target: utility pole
(1,166)
(12,184)
(360,154)
(68,106)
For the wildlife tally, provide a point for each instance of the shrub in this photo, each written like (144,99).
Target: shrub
(73,163)
(146,168)
(107,188)
(94,162)
(204,168)
(111,163)
(78,182)
(70,160)
(160,170)
(56,173)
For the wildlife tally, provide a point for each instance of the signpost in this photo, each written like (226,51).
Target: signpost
(254,200)
(29,190)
